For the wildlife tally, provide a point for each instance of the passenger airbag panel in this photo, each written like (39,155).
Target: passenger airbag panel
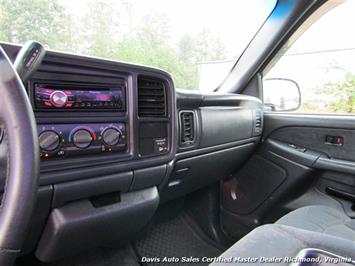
(222,125)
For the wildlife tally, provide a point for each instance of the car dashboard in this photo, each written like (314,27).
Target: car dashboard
(116,140)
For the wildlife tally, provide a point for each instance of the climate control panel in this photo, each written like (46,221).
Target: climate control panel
(62,140)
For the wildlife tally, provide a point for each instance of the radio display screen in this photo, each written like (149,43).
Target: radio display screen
(68,97)
(98,96)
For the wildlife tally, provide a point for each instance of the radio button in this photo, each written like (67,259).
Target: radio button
(59,98)
(82,138)
(43,97)
(111,136)
(49,140)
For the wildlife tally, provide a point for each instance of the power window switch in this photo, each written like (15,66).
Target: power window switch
(302,149)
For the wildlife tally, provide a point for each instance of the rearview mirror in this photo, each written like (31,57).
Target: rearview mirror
(281,94)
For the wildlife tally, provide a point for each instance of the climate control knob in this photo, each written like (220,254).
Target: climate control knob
(59,98)
(49,140)
(111,136)
(82,138)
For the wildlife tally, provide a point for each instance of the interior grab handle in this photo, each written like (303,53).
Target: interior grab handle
(336,165)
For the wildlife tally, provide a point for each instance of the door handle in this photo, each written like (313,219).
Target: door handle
(340,193)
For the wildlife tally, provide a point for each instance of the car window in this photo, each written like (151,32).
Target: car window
(196,41)
(322,63)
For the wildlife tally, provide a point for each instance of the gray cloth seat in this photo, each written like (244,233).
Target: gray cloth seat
(316,227)
(281,241)
(321,219)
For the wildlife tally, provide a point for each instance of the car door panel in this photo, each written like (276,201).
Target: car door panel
(315,138)
(335,169)
(293,167)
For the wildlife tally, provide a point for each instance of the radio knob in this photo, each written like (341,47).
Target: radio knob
(49,140)
(82,138)
(59,98)
(111,136)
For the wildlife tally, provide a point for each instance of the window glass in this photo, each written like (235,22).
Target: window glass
(322,62)
(196,41)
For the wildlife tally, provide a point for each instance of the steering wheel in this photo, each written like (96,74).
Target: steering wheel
(16,116)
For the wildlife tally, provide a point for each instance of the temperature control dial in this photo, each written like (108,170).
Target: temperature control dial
(82,138)
(111,136)
(58,98)
(49,140)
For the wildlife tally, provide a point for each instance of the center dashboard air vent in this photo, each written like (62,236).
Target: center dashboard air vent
(187,128)
(151,98)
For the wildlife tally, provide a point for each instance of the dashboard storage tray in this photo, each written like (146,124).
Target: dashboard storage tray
(78,226)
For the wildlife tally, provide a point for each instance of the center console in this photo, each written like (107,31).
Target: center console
(90,114)
(106,134)
(67,140)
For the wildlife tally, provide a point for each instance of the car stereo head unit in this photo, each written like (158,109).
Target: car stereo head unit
(49,97)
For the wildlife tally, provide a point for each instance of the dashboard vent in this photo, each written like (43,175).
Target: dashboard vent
(258,123)
(151,98)
(187,128)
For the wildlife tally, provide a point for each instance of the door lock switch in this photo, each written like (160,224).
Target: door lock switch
(334,140)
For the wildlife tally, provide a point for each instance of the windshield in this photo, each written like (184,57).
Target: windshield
(198,42)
